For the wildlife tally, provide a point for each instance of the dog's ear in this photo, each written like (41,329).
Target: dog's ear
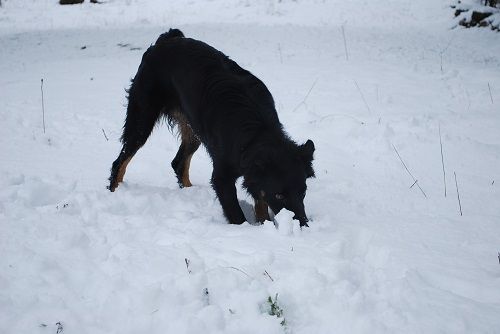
(307,149)
(306,152)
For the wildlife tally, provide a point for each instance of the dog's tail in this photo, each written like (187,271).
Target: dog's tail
(172,33)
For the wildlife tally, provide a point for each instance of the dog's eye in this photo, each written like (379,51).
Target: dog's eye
(280,197)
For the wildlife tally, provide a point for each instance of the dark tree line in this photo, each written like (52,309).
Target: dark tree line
(491,3)
(74,2)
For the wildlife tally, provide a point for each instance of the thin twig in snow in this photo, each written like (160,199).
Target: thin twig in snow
(265,272)
(241,271)
(442,160)
(491,96)
(362,96)
(187,265)
(307,95)
(414,179)
(310,89)
(230,267)
(345,43)
(458,194)
(104,133)
(43,106)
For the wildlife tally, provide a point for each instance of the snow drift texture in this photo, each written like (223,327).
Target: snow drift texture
(379,256)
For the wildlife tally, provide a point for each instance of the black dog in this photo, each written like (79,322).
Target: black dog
(216,102)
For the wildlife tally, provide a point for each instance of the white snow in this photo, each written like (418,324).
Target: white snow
(379,257)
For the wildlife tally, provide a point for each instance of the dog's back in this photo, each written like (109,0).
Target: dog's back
(206,87)
(172,33)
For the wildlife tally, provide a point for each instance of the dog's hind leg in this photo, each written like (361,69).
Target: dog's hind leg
(119,167)
(138,126)
(188,146)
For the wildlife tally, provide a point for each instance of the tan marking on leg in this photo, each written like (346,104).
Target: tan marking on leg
(187,137)
(121,171)
(185,173)
(261,213)
(184,128)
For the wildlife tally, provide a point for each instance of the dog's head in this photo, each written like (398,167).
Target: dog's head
(279,178)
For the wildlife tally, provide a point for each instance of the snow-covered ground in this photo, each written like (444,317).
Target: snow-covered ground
(379,256)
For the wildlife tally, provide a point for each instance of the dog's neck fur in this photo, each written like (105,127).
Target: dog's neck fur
(253,153)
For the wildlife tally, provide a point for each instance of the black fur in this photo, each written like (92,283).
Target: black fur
(216,102)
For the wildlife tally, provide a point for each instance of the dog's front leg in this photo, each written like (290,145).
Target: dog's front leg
(226,192)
